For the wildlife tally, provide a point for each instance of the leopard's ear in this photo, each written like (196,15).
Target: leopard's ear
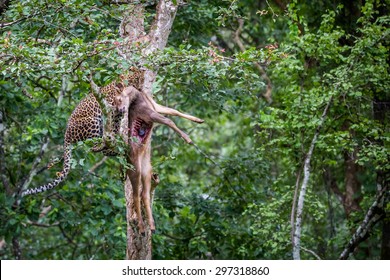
(120,86)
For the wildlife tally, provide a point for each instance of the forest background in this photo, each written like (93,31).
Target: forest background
(295,97)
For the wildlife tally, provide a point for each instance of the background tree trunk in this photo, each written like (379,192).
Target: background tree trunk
(306,175)
(139,247)
(385,246)
(352,184)
(382,115)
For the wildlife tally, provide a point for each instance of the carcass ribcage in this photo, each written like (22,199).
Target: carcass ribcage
(140,130)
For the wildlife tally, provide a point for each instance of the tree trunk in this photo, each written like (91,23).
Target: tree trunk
(381,114)
(139,247)
(3,6)
(353,187)
(385,246)
(306,175)
(374,214)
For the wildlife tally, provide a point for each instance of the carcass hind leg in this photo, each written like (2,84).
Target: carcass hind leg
(146,175)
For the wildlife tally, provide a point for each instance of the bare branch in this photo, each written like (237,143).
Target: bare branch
(93,53)
(95,88)
(237,39)
(6,24)
(158,36)
(306,176)
(138,2)
(374,214)
(3,167)
(94,167)
(294,204)
(67,237)
(63,90)
(33,170)
(33,223)
(311,252)
(16,248)
(24,91)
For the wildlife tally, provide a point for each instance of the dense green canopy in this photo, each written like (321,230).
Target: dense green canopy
(260,73)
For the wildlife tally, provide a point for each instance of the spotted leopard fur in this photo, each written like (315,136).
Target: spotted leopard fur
(86,122)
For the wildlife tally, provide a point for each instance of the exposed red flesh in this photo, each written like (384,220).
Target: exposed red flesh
(140,130)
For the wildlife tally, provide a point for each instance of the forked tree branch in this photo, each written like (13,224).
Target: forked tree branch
(158,36)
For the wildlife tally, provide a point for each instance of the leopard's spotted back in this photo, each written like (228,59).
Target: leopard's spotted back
(134,77)
(86,121)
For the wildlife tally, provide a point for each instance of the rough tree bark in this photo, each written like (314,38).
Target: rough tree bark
(352,195)
(374,214)
(139,247)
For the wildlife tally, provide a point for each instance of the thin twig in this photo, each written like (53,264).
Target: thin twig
(6,24)
(94,167)
(33,223)
(93,53)
(34,168)
(311,252)
(205,155)
(67,237)
(24,185)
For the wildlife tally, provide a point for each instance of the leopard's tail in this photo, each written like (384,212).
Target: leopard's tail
(60,176)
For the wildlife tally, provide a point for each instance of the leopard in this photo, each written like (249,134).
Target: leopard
(86,121)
